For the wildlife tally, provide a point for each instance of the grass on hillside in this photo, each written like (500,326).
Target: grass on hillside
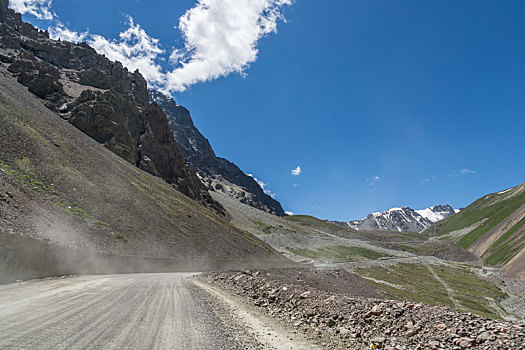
(494,211)
(315,223)
(506,247)
(338,253)
(417,282)
(485,207)
(25,174)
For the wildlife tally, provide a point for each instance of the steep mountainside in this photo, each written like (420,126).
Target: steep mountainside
(493,228)
(70,199)
(403,219)
(99,97)
(59,185)
(217,173)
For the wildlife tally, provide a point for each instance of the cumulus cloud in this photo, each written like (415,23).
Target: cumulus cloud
(288,212)
(135,49)
(373,180)
(61,32)
(39,8)
(297,171)
(263,186)
(221,37)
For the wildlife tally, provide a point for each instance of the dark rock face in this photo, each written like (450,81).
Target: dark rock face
(218,173)
(102,99)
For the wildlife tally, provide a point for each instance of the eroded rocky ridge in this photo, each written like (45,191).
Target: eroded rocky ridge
(100,97)
(217,173)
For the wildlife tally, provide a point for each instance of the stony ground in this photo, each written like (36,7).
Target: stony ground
(350,321)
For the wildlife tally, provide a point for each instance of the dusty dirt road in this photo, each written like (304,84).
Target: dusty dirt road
(136,311)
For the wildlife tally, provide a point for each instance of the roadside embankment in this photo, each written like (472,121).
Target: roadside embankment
(369,322)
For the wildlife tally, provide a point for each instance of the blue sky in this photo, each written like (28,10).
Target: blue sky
(381,103)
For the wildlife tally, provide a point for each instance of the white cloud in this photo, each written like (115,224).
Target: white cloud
(263,186)
(373,180)
(221,38)
(63,33)
(288,212)
(464,171)
(297,171)
(295,185)
(39,8)
(135,49)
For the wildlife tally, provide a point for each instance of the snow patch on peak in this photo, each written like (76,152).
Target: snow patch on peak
(403,219)
(430,214)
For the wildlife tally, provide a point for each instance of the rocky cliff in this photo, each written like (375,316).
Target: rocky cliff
(99,97)
(217,173)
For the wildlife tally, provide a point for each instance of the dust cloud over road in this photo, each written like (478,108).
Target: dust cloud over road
(136,311)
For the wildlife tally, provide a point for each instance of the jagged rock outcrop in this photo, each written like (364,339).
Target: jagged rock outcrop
(100,97)
(403,219)
(217,173)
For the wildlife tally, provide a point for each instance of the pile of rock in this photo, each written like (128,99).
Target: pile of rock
(374,323)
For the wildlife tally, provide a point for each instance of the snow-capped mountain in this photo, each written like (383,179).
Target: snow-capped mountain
(438,212)
(403,219)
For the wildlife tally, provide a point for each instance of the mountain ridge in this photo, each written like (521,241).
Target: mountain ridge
(217,173)
(402,219)
(70,197)
(492,227)
(99,97)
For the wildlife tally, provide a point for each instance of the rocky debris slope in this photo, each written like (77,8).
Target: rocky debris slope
(370,323)
(217,173)
(100,97)
(403,219)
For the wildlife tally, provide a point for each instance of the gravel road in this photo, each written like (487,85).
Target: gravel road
(136,311)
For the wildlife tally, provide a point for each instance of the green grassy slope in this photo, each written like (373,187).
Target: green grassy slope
(487,213)
(457,287)
(317,224)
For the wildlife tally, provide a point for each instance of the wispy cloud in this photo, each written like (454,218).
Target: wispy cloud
(297,171)
(428,180)
(464,171)
(467,171)
(220,37)
(263,186)
(373,180)
(39,8)
(296,185)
